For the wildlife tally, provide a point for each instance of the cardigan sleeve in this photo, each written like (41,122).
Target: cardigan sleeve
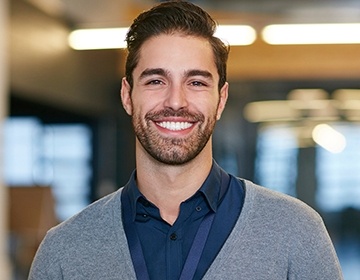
(45,266)
(313,255)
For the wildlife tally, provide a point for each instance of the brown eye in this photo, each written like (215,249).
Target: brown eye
(198,84)
(155,82)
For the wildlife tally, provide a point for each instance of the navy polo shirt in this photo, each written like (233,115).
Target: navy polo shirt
(165,247)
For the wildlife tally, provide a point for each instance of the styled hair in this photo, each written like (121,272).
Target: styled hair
(168,18)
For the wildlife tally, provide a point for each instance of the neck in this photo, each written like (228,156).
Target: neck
(167,186)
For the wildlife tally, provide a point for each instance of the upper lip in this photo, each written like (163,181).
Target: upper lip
(173,119)
(173,116)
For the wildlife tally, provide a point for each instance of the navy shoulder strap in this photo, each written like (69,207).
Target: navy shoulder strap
(136,252)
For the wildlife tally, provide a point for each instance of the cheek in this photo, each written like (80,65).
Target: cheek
(209,106)
(141,108)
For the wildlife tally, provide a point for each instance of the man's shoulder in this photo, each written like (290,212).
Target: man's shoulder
(95,218)
(94,236)
(276,204)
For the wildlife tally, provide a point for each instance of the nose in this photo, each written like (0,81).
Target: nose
(176,98)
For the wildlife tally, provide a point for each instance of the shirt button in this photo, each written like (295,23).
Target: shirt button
(173,236)
(198,208)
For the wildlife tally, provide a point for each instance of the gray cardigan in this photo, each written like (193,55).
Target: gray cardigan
(276,237)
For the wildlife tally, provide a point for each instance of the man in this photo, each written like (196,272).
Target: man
(181,216)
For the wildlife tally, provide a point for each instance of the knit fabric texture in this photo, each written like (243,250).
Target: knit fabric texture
(276,237)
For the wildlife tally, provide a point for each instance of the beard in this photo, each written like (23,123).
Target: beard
(173,150)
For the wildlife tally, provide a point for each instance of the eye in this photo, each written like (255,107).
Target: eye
(197,84)
(155,82)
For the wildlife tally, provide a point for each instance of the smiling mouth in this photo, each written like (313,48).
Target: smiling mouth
(175,126)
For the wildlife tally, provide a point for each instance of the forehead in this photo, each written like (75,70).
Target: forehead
(176,53)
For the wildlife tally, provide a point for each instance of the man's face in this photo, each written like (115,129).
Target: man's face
(174,101)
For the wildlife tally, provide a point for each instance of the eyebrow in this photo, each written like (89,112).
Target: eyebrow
(153,71)
(196,72)
(163,72)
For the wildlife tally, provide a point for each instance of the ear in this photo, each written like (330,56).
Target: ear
(224,92)
(126,96)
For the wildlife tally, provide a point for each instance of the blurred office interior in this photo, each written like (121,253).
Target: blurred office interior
(66,141)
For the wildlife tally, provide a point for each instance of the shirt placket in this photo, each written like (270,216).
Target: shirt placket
(173,252)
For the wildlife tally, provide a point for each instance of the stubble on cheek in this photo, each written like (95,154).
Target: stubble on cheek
(172,150)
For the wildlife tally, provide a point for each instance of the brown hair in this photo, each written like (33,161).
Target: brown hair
(170,17)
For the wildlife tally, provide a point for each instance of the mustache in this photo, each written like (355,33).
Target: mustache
(168,112)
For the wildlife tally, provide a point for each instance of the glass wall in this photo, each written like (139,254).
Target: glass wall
(57,156)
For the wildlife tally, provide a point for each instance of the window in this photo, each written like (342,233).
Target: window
(338,175)
(50,155)
(276,162)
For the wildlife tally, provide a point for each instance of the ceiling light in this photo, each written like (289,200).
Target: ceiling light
(100,38)
(298,34)
(236,35)
(347,94)
(114,38)
(308,95)
(270,111)
(329,138)
(349,103)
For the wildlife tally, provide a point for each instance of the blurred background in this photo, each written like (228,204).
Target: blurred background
(292,121)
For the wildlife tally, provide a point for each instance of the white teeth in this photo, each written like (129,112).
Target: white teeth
(175,125)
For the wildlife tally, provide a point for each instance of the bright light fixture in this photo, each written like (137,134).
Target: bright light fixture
(236,35)
(329,138)
(100,38)
(302,34)
(114,38)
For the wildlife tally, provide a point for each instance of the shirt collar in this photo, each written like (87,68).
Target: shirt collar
(210,189)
